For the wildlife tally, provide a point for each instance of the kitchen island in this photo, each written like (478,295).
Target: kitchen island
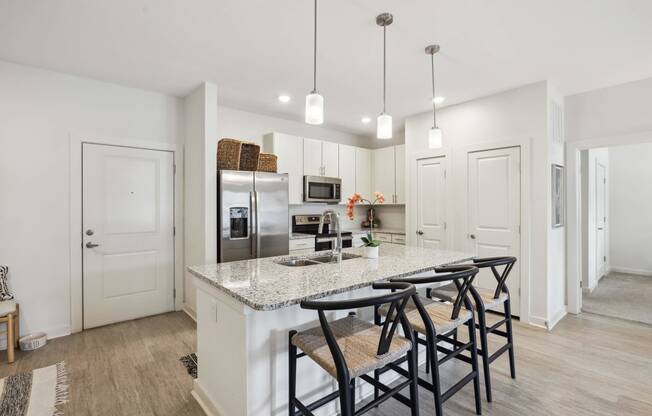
(246,308)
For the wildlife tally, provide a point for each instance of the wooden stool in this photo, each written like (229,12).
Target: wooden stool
(9,313)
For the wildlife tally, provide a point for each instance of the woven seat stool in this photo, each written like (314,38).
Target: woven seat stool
(349,348)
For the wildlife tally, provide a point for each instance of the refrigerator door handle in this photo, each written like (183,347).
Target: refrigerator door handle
(257,237)
(254,223)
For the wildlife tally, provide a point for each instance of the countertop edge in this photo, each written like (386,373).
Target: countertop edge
(296,301)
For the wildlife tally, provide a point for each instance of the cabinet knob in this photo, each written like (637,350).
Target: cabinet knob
(472,236)
(419,232)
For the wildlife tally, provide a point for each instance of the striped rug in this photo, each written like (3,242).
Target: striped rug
(36,393)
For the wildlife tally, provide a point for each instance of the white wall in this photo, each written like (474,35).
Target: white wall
(243,125)
(39,111)
(518,115)
(630,204)
(595,156)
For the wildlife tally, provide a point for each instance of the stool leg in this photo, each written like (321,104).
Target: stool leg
(474,365)
(10,338)
(376,372)
(292,374)
(434,369)
(17,329)
(352,397)
(510,338)
(485,350)
(345,397)
(413,370)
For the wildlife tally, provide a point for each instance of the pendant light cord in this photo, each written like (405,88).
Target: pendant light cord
(434,111)
(384,66)
(314,74)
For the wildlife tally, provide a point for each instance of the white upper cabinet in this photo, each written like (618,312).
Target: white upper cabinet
(312,157)
(363,172)
(320,158)
(289,150)
(347,170)
(399,157)
(384,173)
(389,173)
(329,159)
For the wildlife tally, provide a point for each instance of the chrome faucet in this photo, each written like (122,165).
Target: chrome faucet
(335,220)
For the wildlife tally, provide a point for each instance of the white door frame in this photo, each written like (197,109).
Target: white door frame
(525,237)
(76,227)
(412,215)
(453,158)
(574,209)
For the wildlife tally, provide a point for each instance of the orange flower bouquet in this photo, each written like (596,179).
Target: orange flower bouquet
(356,198)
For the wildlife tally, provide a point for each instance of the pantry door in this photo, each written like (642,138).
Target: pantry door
(494,213)
(128,233)
(431,202)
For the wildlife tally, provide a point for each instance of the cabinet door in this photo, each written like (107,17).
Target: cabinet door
(399,155)
(329,159)
(347,170)
(289,150)
(363,172)
(384,173)
(312,157)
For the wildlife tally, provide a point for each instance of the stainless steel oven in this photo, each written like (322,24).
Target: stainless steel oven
(322,189)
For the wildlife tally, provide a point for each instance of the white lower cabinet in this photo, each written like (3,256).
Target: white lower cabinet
(302,244)
(384,237)
(398,239)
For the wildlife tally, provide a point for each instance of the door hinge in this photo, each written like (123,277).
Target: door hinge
(519,292)
(581,284)
(174,169)
(519,228)
(174,293)
(605,259)
(174,230)
(605,181)
(445,225)
(444,173)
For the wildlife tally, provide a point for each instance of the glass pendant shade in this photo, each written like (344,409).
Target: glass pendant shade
(384,126)
(314,108)
(435,138)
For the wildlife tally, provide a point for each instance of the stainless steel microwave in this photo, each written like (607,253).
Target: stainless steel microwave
(322,189)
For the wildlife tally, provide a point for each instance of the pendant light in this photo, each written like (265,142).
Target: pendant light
(384,123)
(314,101)
(435,139)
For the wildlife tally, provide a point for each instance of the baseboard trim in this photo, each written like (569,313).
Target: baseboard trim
(627,270)
(52,333)
(190,312)
(558,316)
(538,322)
(200,396)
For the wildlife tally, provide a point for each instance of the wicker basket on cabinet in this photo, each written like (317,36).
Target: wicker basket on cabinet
(249,155)
(267,162)
(228,154)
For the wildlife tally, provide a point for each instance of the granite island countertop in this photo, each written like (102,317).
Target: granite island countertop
(264,284)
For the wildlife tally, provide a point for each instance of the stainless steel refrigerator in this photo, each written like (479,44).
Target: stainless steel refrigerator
(252,211)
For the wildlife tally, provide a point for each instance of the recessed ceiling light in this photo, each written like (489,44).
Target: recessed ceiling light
(438,100)
(284,98)
(366,120)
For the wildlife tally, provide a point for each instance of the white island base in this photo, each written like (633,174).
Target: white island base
(243,357)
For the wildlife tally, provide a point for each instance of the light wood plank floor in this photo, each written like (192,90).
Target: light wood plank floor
(589,365)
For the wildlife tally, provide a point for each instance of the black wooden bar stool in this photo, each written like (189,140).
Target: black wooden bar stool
(350,347)
(437,321)
(485,299)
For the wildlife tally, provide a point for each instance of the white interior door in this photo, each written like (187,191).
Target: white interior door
(128,235)
(431,203)
(494,197)
(600,219)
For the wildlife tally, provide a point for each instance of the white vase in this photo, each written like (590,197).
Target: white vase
(371,252)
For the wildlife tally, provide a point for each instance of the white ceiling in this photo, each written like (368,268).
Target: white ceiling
(255,49)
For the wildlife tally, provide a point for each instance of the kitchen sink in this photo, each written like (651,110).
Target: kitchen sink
(330,258)
(311,261)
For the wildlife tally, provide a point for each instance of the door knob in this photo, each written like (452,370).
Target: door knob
(91,245)
(419,232)
(472,236)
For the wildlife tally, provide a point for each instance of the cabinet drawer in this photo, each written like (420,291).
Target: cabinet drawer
(398,239)
(387,238)
(301,244)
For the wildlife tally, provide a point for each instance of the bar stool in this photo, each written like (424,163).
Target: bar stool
(350,347)
(486,299)
(437,321)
